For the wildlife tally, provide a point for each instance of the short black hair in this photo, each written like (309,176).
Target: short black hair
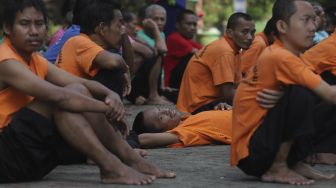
(234,19)
(269,27)
(77,8)
(12,7)
(138,124)
(182,14)
(99,11)
(283,10)
(128,16)
(331,17)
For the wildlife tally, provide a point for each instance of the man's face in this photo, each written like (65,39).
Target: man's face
(161,119)
(28,31)
(159,17)
(131,26)
(188,26)
(243,33)
(320,20)
(113,31)
(301,27)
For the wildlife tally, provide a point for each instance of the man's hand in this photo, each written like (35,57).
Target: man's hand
(121,126)
(127,84)
(268,98)
(150,24)
(223,106)
(117,110)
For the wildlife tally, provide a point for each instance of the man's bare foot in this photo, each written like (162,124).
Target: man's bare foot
(145,167)
(282,174)
(158,101)
(140,100)
(322,158)
(308,172)
(126,176)
(141,152)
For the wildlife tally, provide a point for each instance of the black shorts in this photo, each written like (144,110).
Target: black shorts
(329,77)
(178,71)
(299,116)
(291,119)
(140,82)
(30,147)
(111,79)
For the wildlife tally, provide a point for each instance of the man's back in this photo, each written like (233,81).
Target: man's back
(211,66)
(250,56)
(77,55)
(322,56)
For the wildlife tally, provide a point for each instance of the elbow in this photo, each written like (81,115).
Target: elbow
(144,140)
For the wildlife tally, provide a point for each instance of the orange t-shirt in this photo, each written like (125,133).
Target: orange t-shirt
(276,68)
(204,128)
(77,55)
(250,56)
(322,56)
(210,67)
(12,100)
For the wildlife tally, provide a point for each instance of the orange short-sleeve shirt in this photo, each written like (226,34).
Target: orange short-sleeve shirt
(210,67)
(322,56)
(275,68)
(12,100)
(204,128)
(250,56)
(77,55)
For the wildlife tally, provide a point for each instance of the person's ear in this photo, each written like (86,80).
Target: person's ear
(100,29)
(282,26)
(229,33)
(6,29)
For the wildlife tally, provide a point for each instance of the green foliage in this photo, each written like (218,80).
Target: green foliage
(261,10)
(133,5)
(218,11)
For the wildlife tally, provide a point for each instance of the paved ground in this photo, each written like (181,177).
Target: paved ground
(206,166)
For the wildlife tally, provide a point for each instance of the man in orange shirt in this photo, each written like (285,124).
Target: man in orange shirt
(271,144)
(260,42)
(322,58)
(159,127)
(209,78)
(87,55)
(48,117)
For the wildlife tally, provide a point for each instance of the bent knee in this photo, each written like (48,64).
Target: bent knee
(80,88)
